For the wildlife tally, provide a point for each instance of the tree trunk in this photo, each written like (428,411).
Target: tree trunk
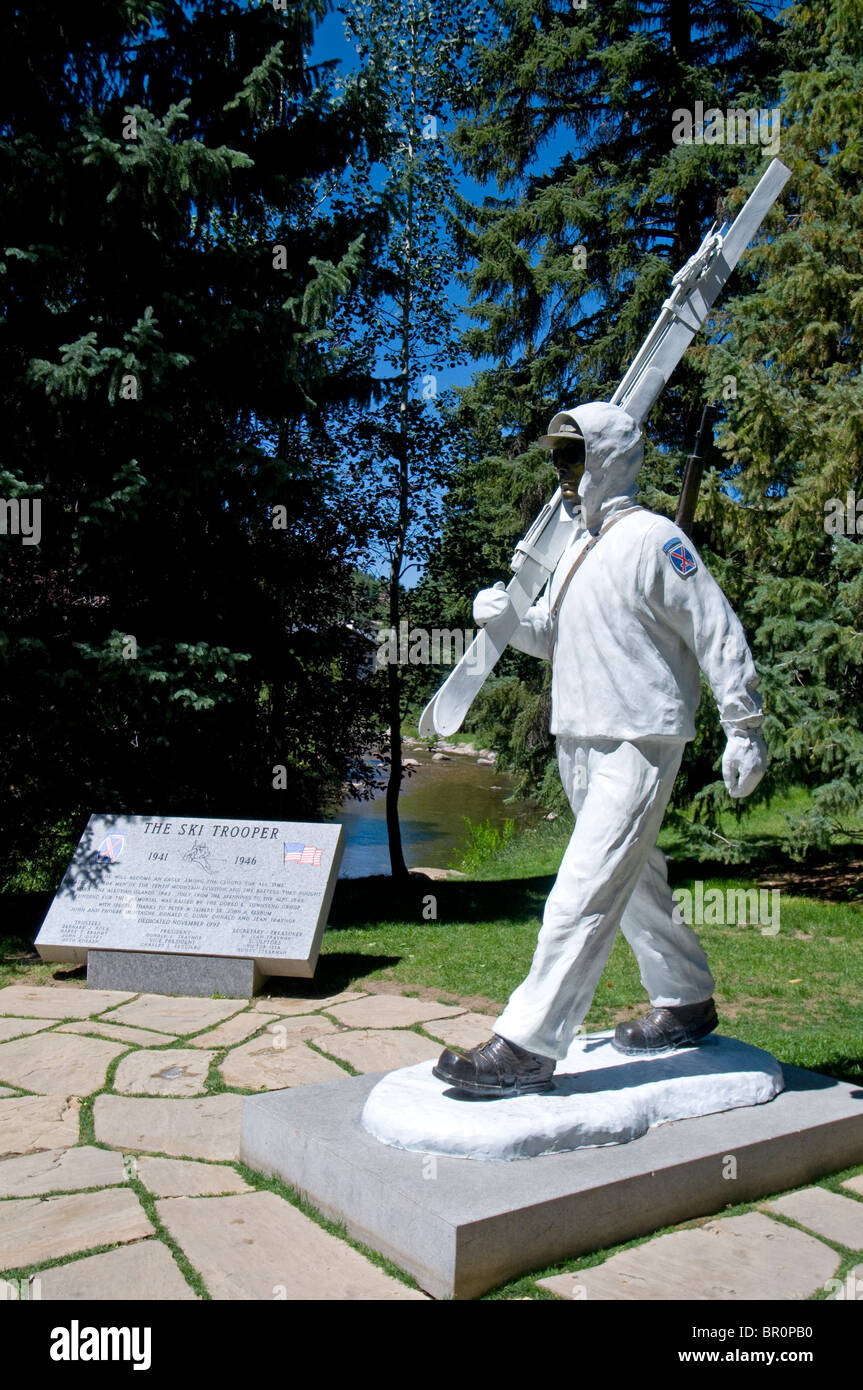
(394,682)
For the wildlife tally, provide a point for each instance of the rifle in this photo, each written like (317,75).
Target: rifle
(695,287)
(692,476)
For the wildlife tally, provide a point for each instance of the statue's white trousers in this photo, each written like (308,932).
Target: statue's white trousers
(612,875)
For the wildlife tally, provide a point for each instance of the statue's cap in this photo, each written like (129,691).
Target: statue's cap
(562,431)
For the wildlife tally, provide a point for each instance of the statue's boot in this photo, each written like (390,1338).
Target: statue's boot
(664,1029)
(498,1068)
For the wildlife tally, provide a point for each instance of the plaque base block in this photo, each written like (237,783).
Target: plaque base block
(157,972)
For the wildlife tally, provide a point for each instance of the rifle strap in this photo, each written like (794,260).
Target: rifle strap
(581,558)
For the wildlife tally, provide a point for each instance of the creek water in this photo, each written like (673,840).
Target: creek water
(434,801)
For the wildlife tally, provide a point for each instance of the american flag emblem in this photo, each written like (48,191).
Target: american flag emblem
(112,847)
(680,557)
(303,854)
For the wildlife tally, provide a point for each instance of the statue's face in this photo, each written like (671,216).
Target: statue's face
(568,462)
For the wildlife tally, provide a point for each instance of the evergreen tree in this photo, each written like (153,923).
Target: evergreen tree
(175,249)
(794,440)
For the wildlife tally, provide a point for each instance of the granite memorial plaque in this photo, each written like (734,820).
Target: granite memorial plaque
(177,895)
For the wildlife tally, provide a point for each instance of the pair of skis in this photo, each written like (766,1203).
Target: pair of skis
(695,287)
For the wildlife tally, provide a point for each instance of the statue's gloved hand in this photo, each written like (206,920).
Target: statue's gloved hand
(744,761)
(490,603)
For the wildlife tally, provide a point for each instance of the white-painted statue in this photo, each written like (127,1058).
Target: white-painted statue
(629,617)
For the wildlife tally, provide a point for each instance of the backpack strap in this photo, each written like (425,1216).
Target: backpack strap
(581,558)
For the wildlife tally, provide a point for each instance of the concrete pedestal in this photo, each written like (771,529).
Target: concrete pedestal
(462,1227)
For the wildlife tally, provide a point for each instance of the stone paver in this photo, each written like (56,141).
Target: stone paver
(280,1005)
(177,1015)
(143,1272)
(259,1065)
(260,1247)
(736,1257)
(175,1177)
(43,1001)
(139,1037)
(57,1063)
(469,1030)
(7,1091)
(825,1213)
(21,1027)
(182,1071)
(29,1123)
(855,1184)
(34,1229)
(234,1030)
(285,1031)
(60,1170)
(374,1050)
(391,1011)
(208,1127)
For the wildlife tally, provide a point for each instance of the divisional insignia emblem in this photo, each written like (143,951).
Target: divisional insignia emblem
(112,847)
(681,558)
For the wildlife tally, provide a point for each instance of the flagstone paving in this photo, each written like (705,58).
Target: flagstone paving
(177,1014)
(465,1031)
(60,1170)
(135,1099)
(283,1031)
(259,1065)
(376,1049)
(737,1257)
(46,1001)
(140,1272)
(33,1229)
(178,1177)
(390,1011)
(233,1030)
(57,1063)
(208,1127)
(28,1123)
(277,1004)
(259,1246)
(839,1219)
(18,1027)
(115,1032)
(172,1072)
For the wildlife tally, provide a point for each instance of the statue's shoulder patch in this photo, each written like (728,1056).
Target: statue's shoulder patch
(682,559)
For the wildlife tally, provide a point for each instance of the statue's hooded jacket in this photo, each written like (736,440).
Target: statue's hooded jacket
(641,614)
